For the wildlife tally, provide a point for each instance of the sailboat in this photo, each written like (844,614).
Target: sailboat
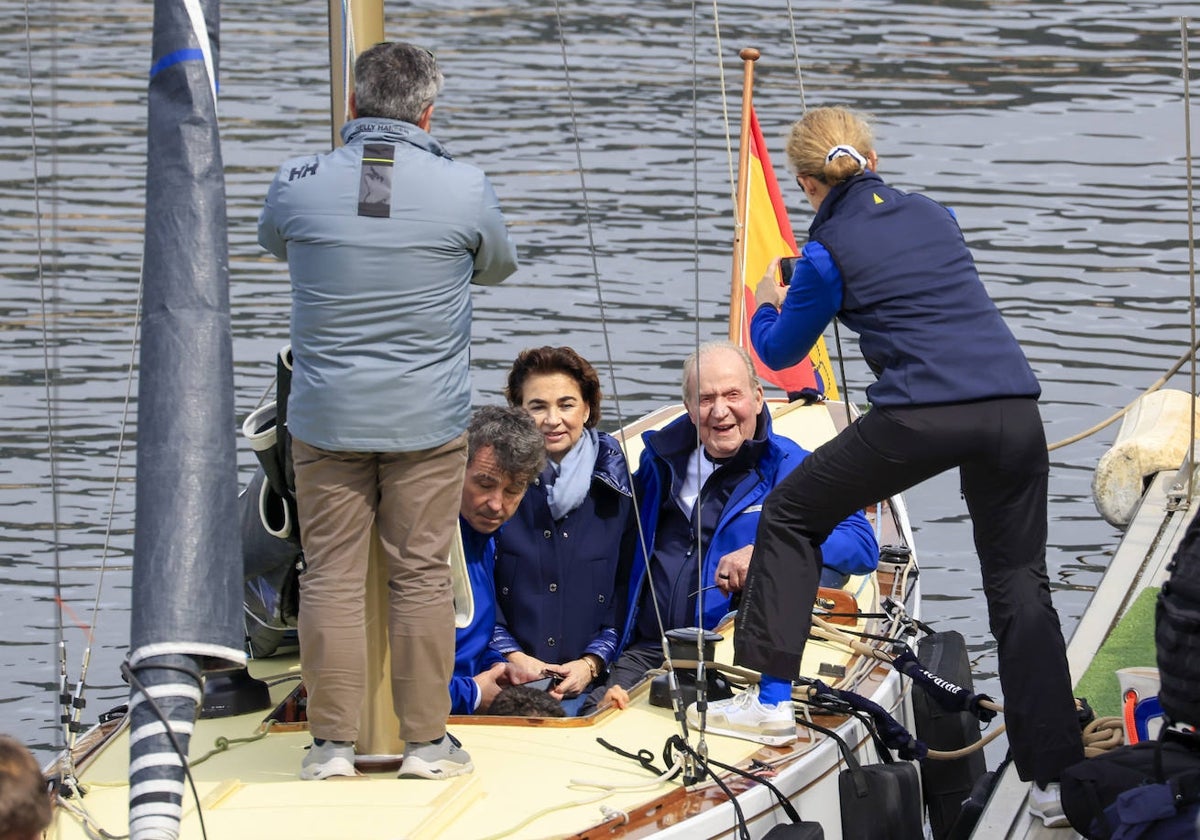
(626,773)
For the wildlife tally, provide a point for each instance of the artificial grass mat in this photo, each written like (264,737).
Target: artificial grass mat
(1130,644)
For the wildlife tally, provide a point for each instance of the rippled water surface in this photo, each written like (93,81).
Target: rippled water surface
(1055,130)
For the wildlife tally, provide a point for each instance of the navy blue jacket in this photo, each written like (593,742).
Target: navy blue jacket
(894,267)
(850,548)
(560,586)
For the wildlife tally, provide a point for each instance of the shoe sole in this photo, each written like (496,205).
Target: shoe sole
(780,740)
(1056,821)
(418,768)
(334,767)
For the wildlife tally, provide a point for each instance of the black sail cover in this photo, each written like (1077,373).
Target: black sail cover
(187,572)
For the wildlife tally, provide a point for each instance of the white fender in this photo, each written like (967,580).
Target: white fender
(1153,437)
(273,513)
(259,428)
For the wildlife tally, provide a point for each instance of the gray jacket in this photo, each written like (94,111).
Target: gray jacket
(381,256)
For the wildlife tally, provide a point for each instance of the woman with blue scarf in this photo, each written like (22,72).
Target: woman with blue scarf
(562,562)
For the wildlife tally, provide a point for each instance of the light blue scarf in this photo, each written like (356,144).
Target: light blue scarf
(574,475)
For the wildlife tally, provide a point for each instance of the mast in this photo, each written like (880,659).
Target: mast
(187,570)
(749,55)
(354,25)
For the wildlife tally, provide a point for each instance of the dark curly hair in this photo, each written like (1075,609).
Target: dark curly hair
(542,360)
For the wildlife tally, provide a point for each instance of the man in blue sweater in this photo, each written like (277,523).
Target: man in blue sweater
(704,502)
(505,452)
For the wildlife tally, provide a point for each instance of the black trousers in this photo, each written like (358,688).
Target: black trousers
(999,447)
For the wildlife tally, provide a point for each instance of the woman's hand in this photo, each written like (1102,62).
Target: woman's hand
(768,289)
(576,676)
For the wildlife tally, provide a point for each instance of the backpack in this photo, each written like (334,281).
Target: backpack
(1148,789)
(1177,631)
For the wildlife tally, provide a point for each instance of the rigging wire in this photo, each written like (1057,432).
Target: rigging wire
(49,357)
(1187,135)
(589,227)
(796,56)
(721,86)
(691,771)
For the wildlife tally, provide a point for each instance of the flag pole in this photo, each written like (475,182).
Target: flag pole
(737,286)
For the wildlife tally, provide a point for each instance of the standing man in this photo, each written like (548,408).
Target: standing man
(383,237)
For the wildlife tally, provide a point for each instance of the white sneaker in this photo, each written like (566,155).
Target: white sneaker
(328,758)
(438,759)
(742,716)
(1047,804)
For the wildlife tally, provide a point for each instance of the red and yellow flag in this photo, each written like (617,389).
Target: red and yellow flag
(768,234)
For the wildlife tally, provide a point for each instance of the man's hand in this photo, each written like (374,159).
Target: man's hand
(768,289)
(490,682)
(616,696)
(524,668)
(733,568)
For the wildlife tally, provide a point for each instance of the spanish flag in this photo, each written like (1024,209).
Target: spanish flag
(768,234)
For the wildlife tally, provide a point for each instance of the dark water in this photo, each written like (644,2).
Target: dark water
(1055,130)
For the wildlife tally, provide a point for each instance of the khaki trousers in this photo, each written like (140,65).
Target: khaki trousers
(413,499)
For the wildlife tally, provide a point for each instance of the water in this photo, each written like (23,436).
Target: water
(1055,130)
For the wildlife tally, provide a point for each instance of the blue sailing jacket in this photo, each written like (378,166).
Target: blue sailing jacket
(894,267)
(850,548)
(471,653)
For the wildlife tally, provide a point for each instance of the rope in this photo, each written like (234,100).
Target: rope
(1162,380)
(1101,735)
(86,821)
(222,744)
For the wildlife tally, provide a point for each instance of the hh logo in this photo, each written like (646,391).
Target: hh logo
(301,171)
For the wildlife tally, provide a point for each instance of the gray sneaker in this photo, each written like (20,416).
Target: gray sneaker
(438,759)
(328,758)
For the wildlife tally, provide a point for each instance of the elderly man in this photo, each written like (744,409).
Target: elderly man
(383,238)
(705,501)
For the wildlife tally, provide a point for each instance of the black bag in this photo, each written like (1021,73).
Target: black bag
(1177,631)
(806,830)
(1148,789)
(881,802)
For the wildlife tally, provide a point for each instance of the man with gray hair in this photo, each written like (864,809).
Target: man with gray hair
(383,237)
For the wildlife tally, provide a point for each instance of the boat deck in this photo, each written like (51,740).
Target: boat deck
(252,790)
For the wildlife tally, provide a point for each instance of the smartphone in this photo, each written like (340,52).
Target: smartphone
(787,267)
